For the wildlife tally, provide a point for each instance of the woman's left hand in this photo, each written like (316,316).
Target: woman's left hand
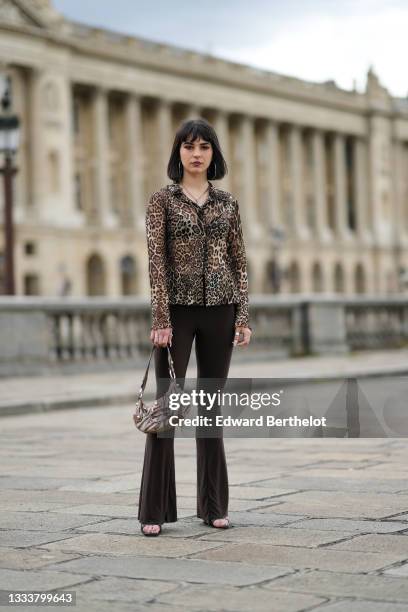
(242,336)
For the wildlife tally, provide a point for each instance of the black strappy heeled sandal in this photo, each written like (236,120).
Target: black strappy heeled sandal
(152,533)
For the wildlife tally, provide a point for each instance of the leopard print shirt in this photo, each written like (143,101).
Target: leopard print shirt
(196,253)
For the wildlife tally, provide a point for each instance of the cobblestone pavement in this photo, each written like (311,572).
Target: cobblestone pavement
(317,523)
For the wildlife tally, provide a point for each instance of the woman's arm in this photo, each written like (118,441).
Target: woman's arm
(156,246)
(239,262)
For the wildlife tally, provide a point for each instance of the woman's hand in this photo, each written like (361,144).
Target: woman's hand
(242,336)
(161,337)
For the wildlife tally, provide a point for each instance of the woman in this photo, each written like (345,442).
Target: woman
(199,289)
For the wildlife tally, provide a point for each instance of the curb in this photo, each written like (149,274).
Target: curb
(24,407)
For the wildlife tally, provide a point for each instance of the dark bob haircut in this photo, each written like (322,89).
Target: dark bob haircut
(189,131)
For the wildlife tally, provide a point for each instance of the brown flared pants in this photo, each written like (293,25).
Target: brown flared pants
(213,329)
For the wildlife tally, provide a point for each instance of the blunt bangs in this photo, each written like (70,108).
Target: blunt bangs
(189,131)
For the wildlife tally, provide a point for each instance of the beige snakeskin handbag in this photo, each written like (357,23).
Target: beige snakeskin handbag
(154,417)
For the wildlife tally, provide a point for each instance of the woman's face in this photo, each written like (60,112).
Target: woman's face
(196,156)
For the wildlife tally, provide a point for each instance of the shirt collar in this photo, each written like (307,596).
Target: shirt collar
(176,188)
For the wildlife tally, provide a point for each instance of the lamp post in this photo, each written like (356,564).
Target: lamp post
(9,140)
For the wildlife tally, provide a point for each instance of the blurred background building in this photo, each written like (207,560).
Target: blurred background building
(321,173)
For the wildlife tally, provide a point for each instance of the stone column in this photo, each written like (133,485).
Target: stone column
(164,141)
(295,160)
(247,171)
(342,232)
(193,112)
(361,180)
(102,191)
(65,200)
(47,146)
(274,208)
(381,189)
(320,189)
(36,152)
(134,134)
(221,127)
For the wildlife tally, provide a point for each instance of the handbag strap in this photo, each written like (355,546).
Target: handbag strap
(171,370)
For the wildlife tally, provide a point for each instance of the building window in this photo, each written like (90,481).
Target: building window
(128,275)
(30,248)
(31,284)
(95,275)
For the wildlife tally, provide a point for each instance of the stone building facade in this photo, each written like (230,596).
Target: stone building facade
(321,173)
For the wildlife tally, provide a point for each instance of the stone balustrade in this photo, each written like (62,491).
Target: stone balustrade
(41,335)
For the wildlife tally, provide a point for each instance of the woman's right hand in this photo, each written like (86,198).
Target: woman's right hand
(161,337)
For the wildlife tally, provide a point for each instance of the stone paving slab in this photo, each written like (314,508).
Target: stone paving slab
(258,493)
(280,536)
(40,580)
(30,506)
(38,483)
(62,468)
(339,464)
(95,510)
(183,528)
(301,558)
(389,472)
(89,605)
(12,558)
(118,590)
(335,584)
(362,606)
(239,600)
(375,543)
(44,521)
(96,543)
(354,526)
(401,570)
(235,505)
(186,570)
(55,496)
(25,539)
(337,505)
(246,492)
(255,518)
(402,516)
(237,477)
(102,486)
(353,482)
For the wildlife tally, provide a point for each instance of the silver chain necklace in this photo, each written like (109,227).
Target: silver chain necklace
(193,197)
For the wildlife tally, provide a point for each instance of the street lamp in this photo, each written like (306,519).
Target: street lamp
(9,141)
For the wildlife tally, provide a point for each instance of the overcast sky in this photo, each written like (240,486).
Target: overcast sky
(315,40)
